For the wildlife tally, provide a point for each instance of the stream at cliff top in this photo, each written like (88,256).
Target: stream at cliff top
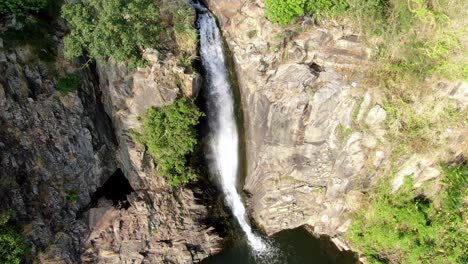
(224,152)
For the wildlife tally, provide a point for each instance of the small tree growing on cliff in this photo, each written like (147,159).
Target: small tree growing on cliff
(21,7)
(13,246)
(169,135)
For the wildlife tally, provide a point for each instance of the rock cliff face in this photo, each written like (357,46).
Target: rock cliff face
(303,92)
(57,149)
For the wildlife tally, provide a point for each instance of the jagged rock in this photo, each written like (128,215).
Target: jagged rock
(296,95)
(57,149)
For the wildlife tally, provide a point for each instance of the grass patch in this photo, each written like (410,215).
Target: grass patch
(68,83)
(343,133)
(407,227)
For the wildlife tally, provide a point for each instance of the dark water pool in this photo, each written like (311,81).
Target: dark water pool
(295,246)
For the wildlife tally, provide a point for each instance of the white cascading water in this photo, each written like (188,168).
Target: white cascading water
(221,119)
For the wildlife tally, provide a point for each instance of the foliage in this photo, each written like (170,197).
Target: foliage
(22,7)
(407,227)
(123,29)
(284,11)
(343,133)
(69,83)
(169,135)
(72,196)
(319,8)
(186,36)
(112,28)
(13,246)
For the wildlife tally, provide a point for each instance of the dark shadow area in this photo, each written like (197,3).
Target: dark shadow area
(296,246)
(116,189)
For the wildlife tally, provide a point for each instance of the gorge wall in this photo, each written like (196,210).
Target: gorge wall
(57,149)
(314,125)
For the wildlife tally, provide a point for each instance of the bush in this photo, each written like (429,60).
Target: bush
(69,83)
(169,135)
(13,246)
(319,8)
(407,227)
(112,28)
(284,11)
(21,7)
(123,29)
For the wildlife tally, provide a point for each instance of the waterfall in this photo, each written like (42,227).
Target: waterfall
(224,136)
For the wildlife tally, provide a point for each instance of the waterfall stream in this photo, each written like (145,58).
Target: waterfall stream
(224,138)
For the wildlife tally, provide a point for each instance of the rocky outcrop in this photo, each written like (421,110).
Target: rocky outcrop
(300,89)
(170,222)
(57,149)
(314,126)
(53,146)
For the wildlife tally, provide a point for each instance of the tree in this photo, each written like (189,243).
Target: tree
(122,29)
(21,7)
(13,247)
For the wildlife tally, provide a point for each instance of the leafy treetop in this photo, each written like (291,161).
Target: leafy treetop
(169,134)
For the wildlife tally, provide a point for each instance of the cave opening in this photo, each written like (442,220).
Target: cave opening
(116,189)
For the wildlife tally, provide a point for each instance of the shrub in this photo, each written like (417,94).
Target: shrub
(284,11)
(112,28)
(407,227)
(72,196)
(21,7)
(320,8)
(69,83)
(169,135)
(13,246)
(185,35)
(122,29)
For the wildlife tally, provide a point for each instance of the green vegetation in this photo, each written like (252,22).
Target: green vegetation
(22,7)
(285,11)
(169,135)
(72,196)
(415,40)
(407,227)
(13,246)
(343,133)
(69,83)
(123,29)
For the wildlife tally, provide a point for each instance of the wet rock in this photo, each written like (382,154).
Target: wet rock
(296,96)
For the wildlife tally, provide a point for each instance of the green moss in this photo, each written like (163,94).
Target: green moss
(69,83)
(72,196)
(407,227)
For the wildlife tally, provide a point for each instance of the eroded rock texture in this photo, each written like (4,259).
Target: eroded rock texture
(57,149)
(297,92)
(314,124)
